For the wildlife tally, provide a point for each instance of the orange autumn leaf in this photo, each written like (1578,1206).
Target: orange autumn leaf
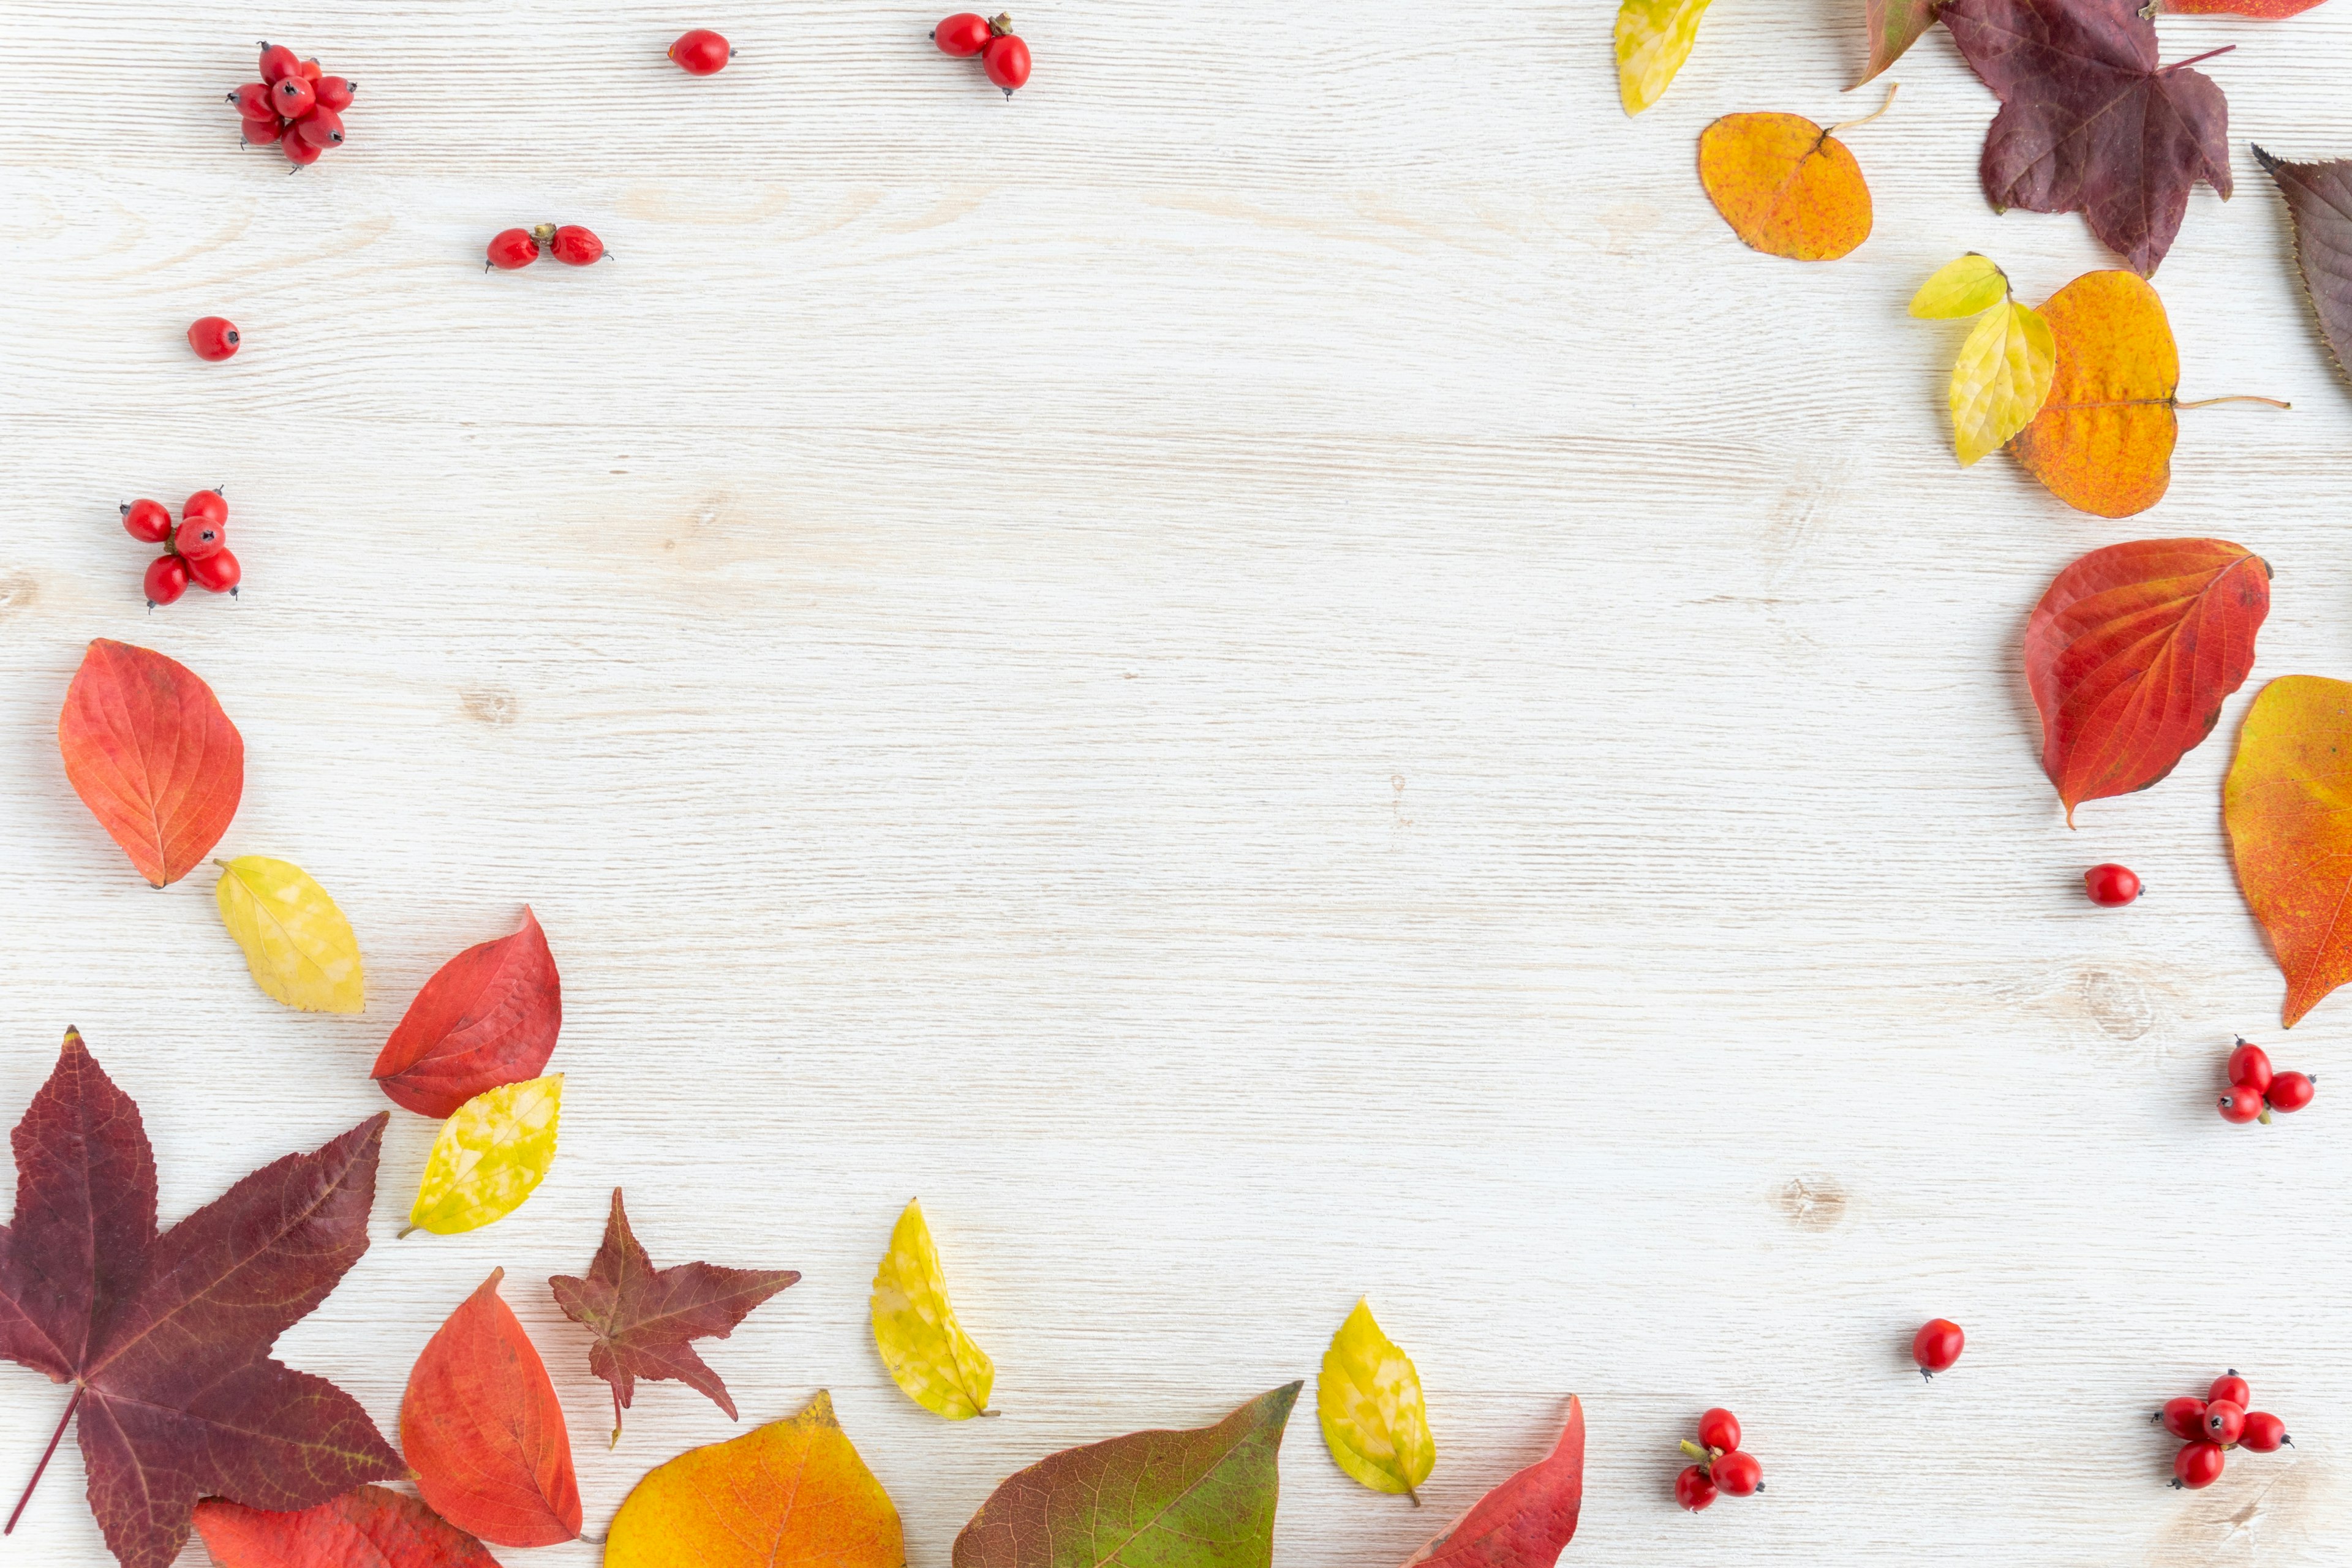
(481,1428)
(2103,441)
(2289,834)
(149,750)
(1785,186)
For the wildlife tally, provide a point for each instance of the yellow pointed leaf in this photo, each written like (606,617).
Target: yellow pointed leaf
(2002,379)
(491,1154)
(297,944)
(1654,38)
(1369,1402)
(1963,288)
(926,1350)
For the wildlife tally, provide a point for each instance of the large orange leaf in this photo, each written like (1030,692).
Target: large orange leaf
(1785,186)
(149,750)
(1526,1522)
(2290,834)
(368,1527)
(2103,441)
(2131,653)
(793,1494)
(481,1428)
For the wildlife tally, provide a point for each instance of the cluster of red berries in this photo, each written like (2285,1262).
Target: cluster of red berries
(196,551)
(293,105)
(2256,1092)
(1723,1465)
(2111,885)
(571,243)
(2211,1427)
(701,52)
(1003,57)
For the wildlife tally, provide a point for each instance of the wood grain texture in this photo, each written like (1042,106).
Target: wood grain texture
(1278,671)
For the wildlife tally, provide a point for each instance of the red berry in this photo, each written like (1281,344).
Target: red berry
(252,101)
(1006,60)
(260,132)
(310,72)
(2249,1068)
(298,152)
(1736,1474)
(199,539)
(701,52)
(148,522)
(279,62)
(2224,1419)
(1693,1490)
(1937,1346)
(1719,1429)
(2292,1091)
(964,35)
(217,571)
(2240,1106)
(292,97)
(212,337)
(2197,1466)
(166,580)
(2111,885)
(322,128)
(2184,1417)
(334,93)
(511,249)
(2264,1433)
(204,506)
(574,246)
(2232,1387)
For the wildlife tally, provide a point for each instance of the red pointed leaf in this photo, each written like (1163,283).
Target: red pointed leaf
(482,1429)
(149,750)
(366,1528)
(489,1016)
(2131,653)
(1526,1522)
(643,1316)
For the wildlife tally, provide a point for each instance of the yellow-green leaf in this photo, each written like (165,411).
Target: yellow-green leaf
(297,944)
(926,1350)
(1962,288)
(1369,1402)
(491,1154)
(1654,38)
(2002,379)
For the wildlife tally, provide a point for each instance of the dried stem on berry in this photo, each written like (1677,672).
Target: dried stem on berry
(1000,25)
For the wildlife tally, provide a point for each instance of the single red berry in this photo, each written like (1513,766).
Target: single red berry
(1718,1429)
(701,52)
(322,128)
(2197,1466)
(1736,1474)
(204,506)
(199,539)
(2224,1419)
(218,572)
(334,93)
(1937,1346)
(1006,60)
(2264,1433)
(963,35)
(252,101)
(310,72)
(1693,1490)
(2241,1106)
(574,246)
(148,522)
(212,337)
(2292,1091)
(277,62)
(262,132)
(292,96)
(2232,1387)
(2184,1417)
(2110,884)
(2249,1068)
(166,580)
(298,152)
(511,249)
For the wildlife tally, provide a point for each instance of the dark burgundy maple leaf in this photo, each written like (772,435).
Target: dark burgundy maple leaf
(166,1338)
(643,1316)
(2090,121)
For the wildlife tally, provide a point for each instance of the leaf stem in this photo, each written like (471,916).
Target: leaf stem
(2197,60)
(1413,1495)
(2234,397)
(71,1405)
(1892,89)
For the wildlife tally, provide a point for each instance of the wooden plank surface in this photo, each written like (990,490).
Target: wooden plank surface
(1275,671)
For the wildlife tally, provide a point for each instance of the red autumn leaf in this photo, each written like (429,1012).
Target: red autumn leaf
(149,750)
(2260,10)
(2130,653)
(166,1338)
(489,1016)
(2090,121)
(482,1429)
(1526,1522)
(367,1528)
(643,1316)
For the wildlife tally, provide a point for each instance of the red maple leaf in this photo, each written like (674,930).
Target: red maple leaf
(166,1338)
(643,1316)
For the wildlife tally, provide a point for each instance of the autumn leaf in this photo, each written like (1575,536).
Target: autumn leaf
(2002,375)
(1654,38)
(643,1316)
(489,1016)
(492,1154)
(926,1350)
(166,1338)
(1967,287)
(370,1527)
(1197,1498)
(2090,121)
(2130,653)
(2260,10)
(1785,186)
(2103,441)
(1527,1520)
(1895,26)
(2289,833)
(481,1428)
(2319,198)
(1369,1400)
(296,942)
(791,1494)
(149,750)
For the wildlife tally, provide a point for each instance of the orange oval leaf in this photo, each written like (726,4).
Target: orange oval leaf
(2103,441)
(489,1016)
(368,1525)
(149,750)
(2289,834)
(1785,186)
(481,1428)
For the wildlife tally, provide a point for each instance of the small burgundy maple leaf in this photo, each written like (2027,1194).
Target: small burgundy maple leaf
(166,1338)
(643,1316)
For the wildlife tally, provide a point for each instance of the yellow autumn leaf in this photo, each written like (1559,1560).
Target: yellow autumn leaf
(297,944)
(1962,288)
(1369,1402)
(926,1350)
(491,1154)
(2002,379)
(1654,38)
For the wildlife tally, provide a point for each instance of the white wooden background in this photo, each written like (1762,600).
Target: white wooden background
(1277,671)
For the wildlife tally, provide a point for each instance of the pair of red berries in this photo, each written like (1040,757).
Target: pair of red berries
(2255,1090)
(571,243)
(701,52)
(1723,1465)
(196,551)
(1003,57)
(295,105)
(2211,1427)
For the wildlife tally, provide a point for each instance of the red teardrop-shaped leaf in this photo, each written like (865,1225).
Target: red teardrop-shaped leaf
(367,1527)
(481,1428)
(149,750)
(1527,1520)
(2131,653)
(489,1016)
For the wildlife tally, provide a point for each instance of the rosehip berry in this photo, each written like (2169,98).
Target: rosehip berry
(2264,1433)
(199,539)
(511,249)
(2111,885)
(574,246)
(701,52)
(2291,1091)
(310,72)
(252,101)
(2240,1106)
(1006,60)
(2184,1417)
(298,152)
(2232,1387)
(334,93)
(2249,1068)
(279,62)
(1718,1429)
(964,35)
(261,132)
(1736,1474)
(166,580)
(204,506)
(2224,1420)
(148,522)
(322,128)
(292,96)
(1937,1346)
(1693,1490)
(212,337)
(2197,1466)
(218,572)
